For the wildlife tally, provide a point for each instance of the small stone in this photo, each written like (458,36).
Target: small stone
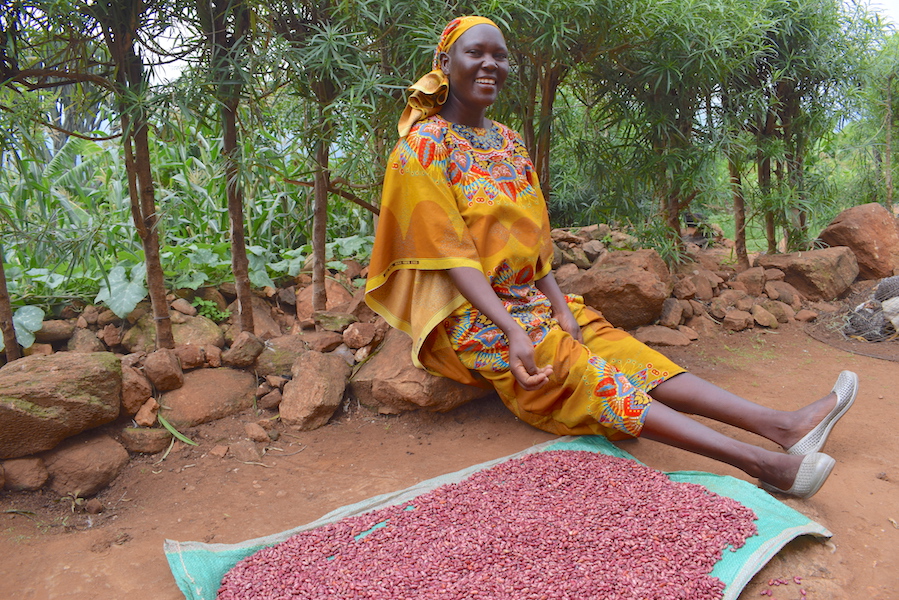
(191,356)
(219,451)
(270,401)
(255,432)
(38,350)
(691,333)
(763,317)
(146,440)
(333,321)
(659,335)
(25,474)
(245,451)
(358,335)
(805,315)
(93,506)
(54,330)
(163,370)
(110,335)
(213,356)
(243,351)
(737,320)
(146,416)
(184,307)
(276,381)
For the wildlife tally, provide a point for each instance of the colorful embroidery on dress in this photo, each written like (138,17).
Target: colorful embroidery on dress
(616,402)
(479,343)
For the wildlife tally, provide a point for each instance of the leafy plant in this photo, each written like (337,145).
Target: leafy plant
(171,429)
(210,310)
(26,321)
(74,499)
(120,292)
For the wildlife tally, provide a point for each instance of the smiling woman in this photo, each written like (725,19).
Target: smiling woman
(462,262)
(476,67)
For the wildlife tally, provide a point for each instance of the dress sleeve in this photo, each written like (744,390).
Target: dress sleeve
(420,234)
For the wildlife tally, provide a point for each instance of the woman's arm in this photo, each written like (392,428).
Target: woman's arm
(561,312)
(477,290)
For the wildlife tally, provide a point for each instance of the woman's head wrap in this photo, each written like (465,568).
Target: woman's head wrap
(431,91)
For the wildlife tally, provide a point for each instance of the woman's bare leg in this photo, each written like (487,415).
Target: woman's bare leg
(666,425)
(690,394)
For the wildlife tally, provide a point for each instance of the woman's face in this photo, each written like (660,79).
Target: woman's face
(477,65)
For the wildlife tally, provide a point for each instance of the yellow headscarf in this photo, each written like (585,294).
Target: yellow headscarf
(431,91)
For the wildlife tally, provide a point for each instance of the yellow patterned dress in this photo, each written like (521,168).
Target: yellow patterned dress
(459,196)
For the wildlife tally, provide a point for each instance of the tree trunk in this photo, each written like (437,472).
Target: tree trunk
(119,21)
(225,46)
(150,239)
(736,186)
(320,213)
(551,78)
(6,324)
(888,149)
(764,176)
(240,266)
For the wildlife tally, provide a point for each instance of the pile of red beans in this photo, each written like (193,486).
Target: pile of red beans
(550,525)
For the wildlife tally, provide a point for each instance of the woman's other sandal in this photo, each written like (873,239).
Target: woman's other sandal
(845,389)
(813,472)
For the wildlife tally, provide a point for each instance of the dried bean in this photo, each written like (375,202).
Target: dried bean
(558,524)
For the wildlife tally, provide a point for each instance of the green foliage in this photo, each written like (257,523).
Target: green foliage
(171,429)
(210,310)
(121,292)
(651,96)
(26,321)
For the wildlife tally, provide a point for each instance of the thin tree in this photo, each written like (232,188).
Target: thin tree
(120,23)
(226,25)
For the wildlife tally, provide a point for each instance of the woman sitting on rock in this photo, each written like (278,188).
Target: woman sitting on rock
(462,263)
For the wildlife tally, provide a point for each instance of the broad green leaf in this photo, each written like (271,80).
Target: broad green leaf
(260,278)
(29,317)
(122,294)
(26,321)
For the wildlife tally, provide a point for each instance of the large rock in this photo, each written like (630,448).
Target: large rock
(25,474)
(753,280)
(136,389)
(264,325)
(207,395)
(45,399)
(243,351)
(628,287)
(337,296)
(163,369)
(389,383)
(84,465)
(872,233)
(54,330)
(146,440)
(278,355)
(316,391)
(817,274)
(198,331)
(659,335)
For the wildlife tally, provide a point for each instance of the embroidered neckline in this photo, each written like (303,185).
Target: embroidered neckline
(480,138)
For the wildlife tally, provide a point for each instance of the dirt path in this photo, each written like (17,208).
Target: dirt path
(48,551)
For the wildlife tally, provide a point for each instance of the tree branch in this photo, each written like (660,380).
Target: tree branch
(342,193)
(66,131)
(66,78)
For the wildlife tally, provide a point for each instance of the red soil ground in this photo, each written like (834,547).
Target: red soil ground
(50,551)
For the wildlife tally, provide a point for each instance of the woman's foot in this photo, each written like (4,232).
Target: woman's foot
(812,424)
(810,474)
